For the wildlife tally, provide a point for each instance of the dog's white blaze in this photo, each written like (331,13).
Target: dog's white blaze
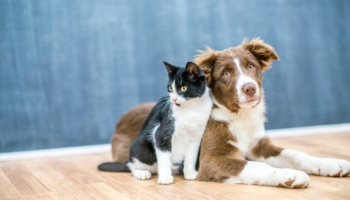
(238,65)
(242,80)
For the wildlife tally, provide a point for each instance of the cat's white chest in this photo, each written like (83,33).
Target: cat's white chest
(189,126)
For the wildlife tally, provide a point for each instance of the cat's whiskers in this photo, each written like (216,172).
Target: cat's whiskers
(165,101)
(168,102)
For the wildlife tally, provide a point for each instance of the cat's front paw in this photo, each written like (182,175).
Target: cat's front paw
(165,179)
(191,175)
(331,167)
(141,174)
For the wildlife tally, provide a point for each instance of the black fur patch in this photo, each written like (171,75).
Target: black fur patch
(113,167)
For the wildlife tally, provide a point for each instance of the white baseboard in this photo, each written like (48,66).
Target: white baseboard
(310,130)
(58,152)
(106,148)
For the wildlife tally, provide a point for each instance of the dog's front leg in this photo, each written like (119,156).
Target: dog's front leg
(265,152)
(232,170)
(263,174)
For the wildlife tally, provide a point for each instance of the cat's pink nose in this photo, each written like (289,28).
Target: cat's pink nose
(174,100)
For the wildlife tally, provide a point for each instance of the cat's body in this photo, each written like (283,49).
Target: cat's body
(170,137)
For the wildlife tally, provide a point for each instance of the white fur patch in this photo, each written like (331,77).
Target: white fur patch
(309,164)
(238,65)
(165,179)
(164,167)
(153,133)
(140,170)
(241,81)
(247,125)
(262,174)
(141,174)
(191,119)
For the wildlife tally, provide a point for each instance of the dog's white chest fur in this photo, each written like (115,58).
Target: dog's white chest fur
(246,126)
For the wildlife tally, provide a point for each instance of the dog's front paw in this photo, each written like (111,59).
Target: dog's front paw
(331,167)
(291,178)
(191,175)
(165,179)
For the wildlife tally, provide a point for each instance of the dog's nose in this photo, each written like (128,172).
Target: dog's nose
(249,89)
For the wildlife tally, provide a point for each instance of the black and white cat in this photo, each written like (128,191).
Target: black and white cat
(170,137)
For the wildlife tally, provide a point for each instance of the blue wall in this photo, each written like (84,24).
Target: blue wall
(69,69)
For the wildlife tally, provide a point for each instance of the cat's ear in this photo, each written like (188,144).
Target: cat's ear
(192,69)
(206,60)
(169,67)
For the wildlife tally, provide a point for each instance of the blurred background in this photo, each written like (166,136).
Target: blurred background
(70,69)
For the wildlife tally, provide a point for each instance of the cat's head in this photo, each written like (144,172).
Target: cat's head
(185,83)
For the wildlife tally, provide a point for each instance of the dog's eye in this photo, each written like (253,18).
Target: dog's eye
(183,89)
(250,67)
(170,88)
(227,74)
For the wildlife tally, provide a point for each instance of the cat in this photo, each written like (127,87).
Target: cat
(169,140)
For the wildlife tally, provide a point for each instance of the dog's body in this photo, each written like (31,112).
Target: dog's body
(127,129)
(235,148)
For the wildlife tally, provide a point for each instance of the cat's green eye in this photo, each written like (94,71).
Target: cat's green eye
(183,89)
(170,88)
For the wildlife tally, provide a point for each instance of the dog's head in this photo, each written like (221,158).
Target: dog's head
(234,75)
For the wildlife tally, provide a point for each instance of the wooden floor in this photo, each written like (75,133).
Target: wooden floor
(78,178)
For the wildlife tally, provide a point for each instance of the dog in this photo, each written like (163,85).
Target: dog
(235,147)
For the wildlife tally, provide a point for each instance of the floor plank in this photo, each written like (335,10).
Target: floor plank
(7,189)
(78,178)
(23,179)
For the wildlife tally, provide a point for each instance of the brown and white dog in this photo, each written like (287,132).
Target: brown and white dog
(235,148)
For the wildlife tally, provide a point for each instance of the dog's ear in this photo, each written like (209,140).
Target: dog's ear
(263,52)
(206,60)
